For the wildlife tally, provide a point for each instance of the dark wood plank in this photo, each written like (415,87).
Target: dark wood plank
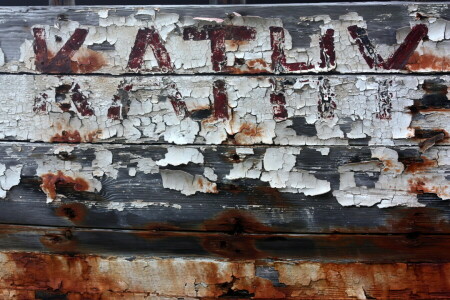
(150,186)
(233,245)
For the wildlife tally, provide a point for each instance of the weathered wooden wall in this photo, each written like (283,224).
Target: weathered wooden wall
(289,151)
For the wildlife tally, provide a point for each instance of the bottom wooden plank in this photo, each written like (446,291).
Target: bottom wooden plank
(49,276)
(233,244)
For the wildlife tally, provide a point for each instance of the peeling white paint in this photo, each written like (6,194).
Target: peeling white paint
(176,156)
(102,164)
(9,177)
(37,114)
(394,187)
(186,183)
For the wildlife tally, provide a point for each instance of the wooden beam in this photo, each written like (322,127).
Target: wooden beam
(206,39)
(291,110)
(340,189)
(38,275)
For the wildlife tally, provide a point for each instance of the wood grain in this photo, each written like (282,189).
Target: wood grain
(140,186)
(241,152)
(96,277)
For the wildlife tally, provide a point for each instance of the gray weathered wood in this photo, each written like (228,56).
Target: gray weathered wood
(232,245)
(184,188)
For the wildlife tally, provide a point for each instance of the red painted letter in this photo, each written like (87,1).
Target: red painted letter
(151,37)
(400,57)
(61,62)
(218,35)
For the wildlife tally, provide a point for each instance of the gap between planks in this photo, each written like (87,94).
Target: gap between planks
(329,73)
(159,144)
(34,227)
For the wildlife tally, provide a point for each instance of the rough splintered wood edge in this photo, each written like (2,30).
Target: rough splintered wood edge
(191,40)
(41,276)
(278,110)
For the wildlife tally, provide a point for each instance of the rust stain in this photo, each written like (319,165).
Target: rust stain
(236,222)
(87,61)
(417,219)
(235,243)
(388,165)
(63,242)
(206,186)
(93,135)
(75,212)
(429,137)
(74,136)
(235,43)
(259,62)
(363,281)
(93,277)
(253,66)
(425,61)
(63,273)
(51,181)
(232,246)
(418,165)
(200,182)
(227,235)
(67,137)
(247,130)
(421,185)
(258,288)
(261,193)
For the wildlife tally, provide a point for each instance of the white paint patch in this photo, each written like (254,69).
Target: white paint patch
(102,164)
(395,186)
(146,165)
(176,156)
(9,177)
(186,183)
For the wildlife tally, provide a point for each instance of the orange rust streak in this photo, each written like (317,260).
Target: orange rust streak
(50,182)
(74,136)
(254,66)
(420,166)
(232,244)
(417,219)
(75,212)
(87,61)
(428,61)
(94,277)
(250,130)
(67,137)
(59,242)
(421,185)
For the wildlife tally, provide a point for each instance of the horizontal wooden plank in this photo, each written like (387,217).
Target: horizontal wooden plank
(363,37)
(306,110)
(43,276)
(232,245)
(280,189)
